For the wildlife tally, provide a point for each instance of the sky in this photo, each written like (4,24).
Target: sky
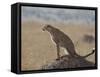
(58,15)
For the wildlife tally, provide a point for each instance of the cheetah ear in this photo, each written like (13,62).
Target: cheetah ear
(48,25)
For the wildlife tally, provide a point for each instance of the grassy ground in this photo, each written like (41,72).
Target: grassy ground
(38,49)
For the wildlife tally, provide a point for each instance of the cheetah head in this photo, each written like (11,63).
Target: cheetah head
(47,28)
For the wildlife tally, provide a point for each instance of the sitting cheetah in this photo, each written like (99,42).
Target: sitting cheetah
(62,40)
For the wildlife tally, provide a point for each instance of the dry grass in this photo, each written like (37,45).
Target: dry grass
(38,49)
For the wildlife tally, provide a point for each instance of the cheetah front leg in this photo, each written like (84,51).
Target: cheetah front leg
(58,52)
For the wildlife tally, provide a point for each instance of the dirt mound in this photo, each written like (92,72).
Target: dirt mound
(68,62)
